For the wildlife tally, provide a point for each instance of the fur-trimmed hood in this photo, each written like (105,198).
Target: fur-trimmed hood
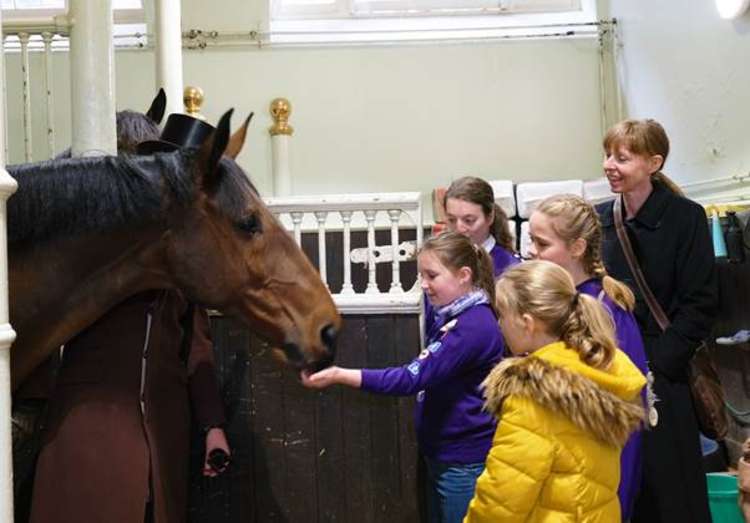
(605,403)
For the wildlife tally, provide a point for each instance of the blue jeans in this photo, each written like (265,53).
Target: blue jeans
(449,489)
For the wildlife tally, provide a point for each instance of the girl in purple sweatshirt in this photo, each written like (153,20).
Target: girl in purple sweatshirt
(463,344)
(565,229)
(470,209)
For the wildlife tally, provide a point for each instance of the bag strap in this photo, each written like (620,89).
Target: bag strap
(635,268)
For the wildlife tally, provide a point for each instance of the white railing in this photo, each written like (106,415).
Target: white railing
(360,212)
(28,39)
(7,334)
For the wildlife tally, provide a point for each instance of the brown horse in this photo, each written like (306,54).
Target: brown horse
(84,234)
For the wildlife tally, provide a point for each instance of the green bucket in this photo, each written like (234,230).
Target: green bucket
(722,498)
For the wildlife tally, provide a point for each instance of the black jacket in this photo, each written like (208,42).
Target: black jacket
(671,240)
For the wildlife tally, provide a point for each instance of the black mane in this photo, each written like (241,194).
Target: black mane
(68,197)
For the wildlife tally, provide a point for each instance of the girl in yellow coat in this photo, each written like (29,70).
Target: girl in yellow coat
(565,406)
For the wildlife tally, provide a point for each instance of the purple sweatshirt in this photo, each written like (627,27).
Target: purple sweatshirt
(451,425)
(630,342)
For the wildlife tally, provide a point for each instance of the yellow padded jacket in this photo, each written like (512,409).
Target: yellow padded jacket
(555,456)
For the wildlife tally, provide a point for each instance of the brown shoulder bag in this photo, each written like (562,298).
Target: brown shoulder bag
(705,387)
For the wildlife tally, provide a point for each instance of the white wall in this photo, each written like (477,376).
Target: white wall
(686,67)
(387,118)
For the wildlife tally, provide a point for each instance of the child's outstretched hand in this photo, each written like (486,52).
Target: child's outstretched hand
(321,379)
(332,376)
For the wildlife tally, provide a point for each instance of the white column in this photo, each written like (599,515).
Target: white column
(396,288)
(7,187)
(322,264)
(92,78)
(372,284)
(47,37)
(297,223)
(23,38)
(168,29)
(346,217)
(281,133)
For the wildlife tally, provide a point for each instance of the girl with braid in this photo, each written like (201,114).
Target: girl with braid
(565,405)
(454,432)
(565,230)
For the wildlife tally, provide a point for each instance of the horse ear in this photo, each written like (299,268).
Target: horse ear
(213,148)
(156,111)
(238,140)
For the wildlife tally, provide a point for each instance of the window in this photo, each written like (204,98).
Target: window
(316,9)
(299,21)
(129,21)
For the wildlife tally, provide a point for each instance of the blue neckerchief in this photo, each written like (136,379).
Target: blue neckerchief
(454,308)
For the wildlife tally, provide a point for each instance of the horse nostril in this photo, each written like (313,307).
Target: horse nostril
(293,354)
(328,335)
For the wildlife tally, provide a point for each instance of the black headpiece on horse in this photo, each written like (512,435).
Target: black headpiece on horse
(181,130)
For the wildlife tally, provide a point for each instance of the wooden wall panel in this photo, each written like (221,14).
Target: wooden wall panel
(307,456)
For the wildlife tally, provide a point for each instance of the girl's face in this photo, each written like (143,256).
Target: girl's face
(441,284)
(517,332)
(468,218)
(627,171)
(547,245)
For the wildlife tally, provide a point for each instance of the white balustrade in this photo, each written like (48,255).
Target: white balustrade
(27,37)
(7,187)
(395,214)
(23,37)
(347,288)
(367,213)
(321,217)
(47,38)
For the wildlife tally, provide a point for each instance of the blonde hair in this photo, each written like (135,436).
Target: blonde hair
(645,138)
(455,250)
(546,291)
(477,191)
(572,218)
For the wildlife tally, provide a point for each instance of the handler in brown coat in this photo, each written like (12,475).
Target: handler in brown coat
(118,440)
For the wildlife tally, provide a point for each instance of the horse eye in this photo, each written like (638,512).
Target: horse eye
(250,225)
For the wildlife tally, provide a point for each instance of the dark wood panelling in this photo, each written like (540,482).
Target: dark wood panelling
(306,456)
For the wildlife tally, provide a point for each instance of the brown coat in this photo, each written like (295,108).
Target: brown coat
(104,452)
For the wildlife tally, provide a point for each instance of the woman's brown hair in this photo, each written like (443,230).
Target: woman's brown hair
(645,138)
(477,191)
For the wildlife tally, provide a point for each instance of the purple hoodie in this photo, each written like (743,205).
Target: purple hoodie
(451,425)
(630,342)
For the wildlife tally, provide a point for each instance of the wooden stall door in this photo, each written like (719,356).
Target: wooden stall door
(303,456)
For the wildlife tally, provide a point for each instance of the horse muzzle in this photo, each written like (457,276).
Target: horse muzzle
(297,359)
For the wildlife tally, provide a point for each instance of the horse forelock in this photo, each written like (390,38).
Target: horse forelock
(235,193)
(67,197)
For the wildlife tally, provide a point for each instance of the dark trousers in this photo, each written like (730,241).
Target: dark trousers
(674,483)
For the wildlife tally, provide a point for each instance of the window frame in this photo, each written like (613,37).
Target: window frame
(301,30)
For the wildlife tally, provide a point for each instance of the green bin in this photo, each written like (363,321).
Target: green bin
(722,498)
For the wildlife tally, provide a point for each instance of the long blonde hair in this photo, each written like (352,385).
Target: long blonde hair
(645,138)
(573,217)
(546,291)
(455,250)
(477,191)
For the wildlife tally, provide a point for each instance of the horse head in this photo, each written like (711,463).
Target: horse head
(225,250)
(86,233)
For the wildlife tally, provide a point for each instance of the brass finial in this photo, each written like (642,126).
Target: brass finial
(192,98)
(280,111)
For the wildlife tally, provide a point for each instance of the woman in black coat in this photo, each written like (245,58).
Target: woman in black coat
(671,240)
